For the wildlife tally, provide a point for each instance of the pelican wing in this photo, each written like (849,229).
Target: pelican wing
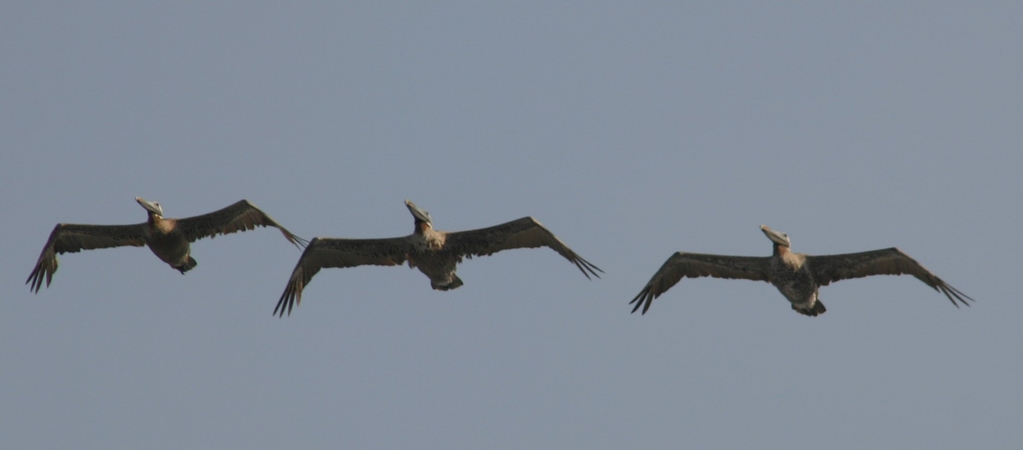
(695,265)
(890,261)
(526,232)
(72,238)
(241,216)
(326,252)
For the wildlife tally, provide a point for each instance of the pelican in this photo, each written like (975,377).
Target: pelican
(796,275)
(435,253)
(167,238)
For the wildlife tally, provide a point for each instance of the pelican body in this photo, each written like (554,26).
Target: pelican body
(797,276)
(435,253)
(165,239)
(169,239)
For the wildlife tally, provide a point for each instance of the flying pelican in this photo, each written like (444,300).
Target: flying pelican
(167,238)
(796,275)
(435,253)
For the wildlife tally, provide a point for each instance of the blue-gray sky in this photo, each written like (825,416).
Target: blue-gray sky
(630,130)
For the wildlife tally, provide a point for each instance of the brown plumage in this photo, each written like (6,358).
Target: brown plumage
(796,275)
(168,238)
(435,253)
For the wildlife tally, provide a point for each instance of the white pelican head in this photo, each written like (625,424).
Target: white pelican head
(776,236)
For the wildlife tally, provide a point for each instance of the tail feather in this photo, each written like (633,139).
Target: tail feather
(454,283)
(816,310)
(187,266)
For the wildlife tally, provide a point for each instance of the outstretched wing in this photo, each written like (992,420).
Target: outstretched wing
(241,216)
(695,265)
(72,238)
(326,252)
(526,232)
(890,261)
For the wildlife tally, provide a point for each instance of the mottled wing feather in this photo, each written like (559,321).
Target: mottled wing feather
(526,232)
(890,261)
(695,265)
(72,238)
(326,253)
(241,216)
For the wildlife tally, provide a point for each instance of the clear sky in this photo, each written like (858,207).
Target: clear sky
(631,130)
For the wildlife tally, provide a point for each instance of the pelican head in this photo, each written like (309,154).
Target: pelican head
(153,207)
(777,237)
(417,212)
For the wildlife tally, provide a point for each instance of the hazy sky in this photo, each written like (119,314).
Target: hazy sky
(631,130)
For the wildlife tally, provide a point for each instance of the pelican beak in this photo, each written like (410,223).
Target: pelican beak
(776,236)
(418,212)
(152,207)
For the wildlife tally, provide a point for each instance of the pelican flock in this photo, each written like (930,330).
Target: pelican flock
(797,276)
(168,238)
(435,253)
